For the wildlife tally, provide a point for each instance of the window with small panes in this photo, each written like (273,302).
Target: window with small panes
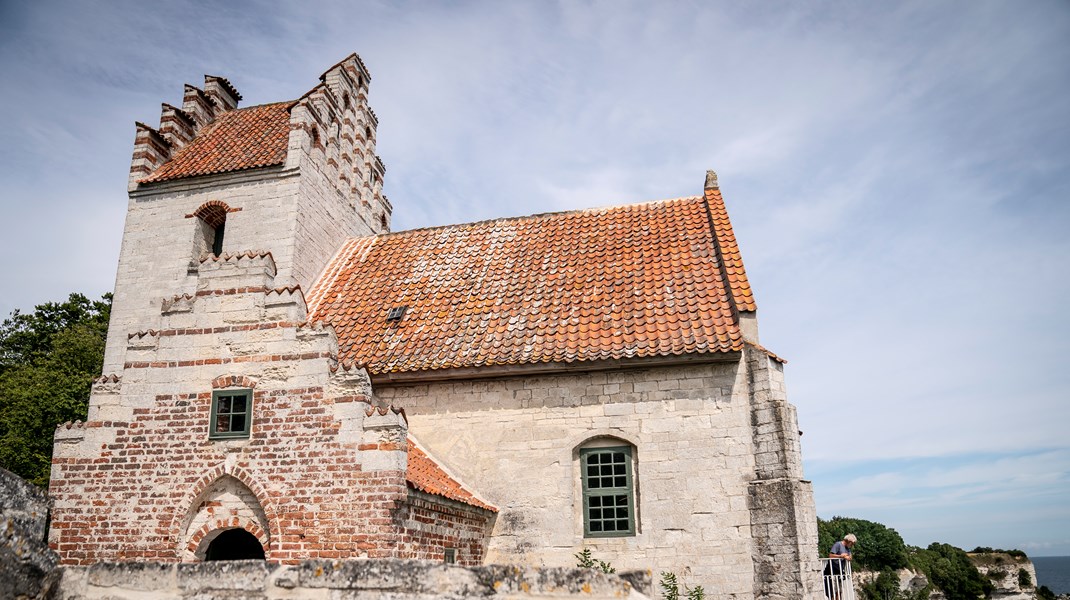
(232,414)
(608,492)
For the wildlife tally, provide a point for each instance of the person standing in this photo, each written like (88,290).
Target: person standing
(842,548)
(835,572)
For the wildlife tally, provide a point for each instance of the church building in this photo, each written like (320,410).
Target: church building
(286,378)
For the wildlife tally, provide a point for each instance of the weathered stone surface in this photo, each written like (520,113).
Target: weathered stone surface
(246,575)
(340,580)
(145,576)
(26,562)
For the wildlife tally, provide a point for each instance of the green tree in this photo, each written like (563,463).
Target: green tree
(48,360)
(878,548)
(885,586)
(950,569)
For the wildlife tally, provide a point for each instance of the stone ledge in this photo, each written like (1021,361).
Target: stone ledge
(394,579)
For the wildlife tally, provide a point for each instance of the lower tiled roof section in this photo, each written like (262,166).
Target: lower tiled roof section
(631,281)
(427,476)
(244,138)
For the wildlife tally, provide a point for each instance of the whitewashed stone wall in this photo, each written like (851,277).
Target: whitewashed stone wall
(162,247)
(516,441)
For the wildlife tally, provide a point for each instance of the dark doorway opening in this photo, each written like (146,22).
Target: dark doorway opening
(235,544)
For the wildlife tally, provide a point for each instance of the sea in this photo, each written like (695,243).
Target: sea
(1054,572)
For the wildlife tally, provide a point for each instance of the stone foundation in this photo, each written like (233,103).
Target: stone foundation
(340,580)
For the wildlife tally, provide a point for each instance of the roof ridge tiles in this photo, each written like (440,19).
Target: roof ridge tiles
(535,216)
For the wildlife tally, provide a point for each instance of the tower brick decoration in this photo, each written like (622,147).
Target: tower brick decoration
(323,472)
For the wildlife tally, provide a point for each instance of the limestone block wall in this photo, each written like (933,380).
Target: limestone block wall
(516,442)
(784,517)
(322,474)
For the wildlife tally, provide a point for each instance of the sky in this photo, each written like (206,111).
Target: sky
(897,173)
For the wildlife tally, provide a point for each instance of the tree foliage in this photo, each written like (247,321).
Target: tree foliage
(48,360)
(878,547)
(950,570)
(883,587)
(1016,553)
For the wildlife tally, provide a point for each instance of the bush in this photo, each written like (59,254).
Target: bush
(878,547)
(1045,593)
(670,588)
(585,560)
(1024,579)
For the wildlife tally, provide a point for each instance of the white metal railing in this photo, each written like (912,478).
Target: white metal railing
(836,577)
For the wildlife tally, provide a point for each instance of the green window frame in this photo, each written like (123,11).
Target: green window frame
(232,414)
(608,492)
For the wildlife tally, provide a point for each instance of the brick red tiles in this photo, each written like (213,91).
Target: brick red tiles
(733,261)
(243,138)
(425,475)
(640,280)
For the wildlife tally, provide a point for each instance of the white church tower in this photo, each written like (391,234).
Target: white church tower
(214,181)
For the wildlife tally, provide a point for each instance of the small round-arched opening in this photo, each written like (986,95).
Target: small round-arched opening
(234,544)
(214,216)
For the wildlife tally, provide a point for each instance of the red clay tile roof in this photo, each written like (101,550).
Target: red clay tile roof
(244,138)
(733,260)
(630,281)
(425,475)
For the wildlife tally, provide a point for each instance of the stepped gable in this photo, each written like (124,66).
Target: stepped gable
(244,138)
(424,474)
(640,280)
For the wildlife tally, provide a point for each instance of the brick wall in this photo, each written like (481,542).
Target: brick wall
(322,474)
(430,524)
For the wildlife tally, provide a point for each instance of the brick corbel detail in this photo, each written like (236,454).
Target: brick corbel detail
(213,212)
(225,381)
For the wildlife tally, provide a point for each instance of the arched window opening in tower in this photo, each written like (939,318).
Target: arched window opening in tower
(214,216)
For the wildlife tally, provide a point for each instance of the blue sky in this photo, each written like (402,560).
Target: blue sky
(898,175)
